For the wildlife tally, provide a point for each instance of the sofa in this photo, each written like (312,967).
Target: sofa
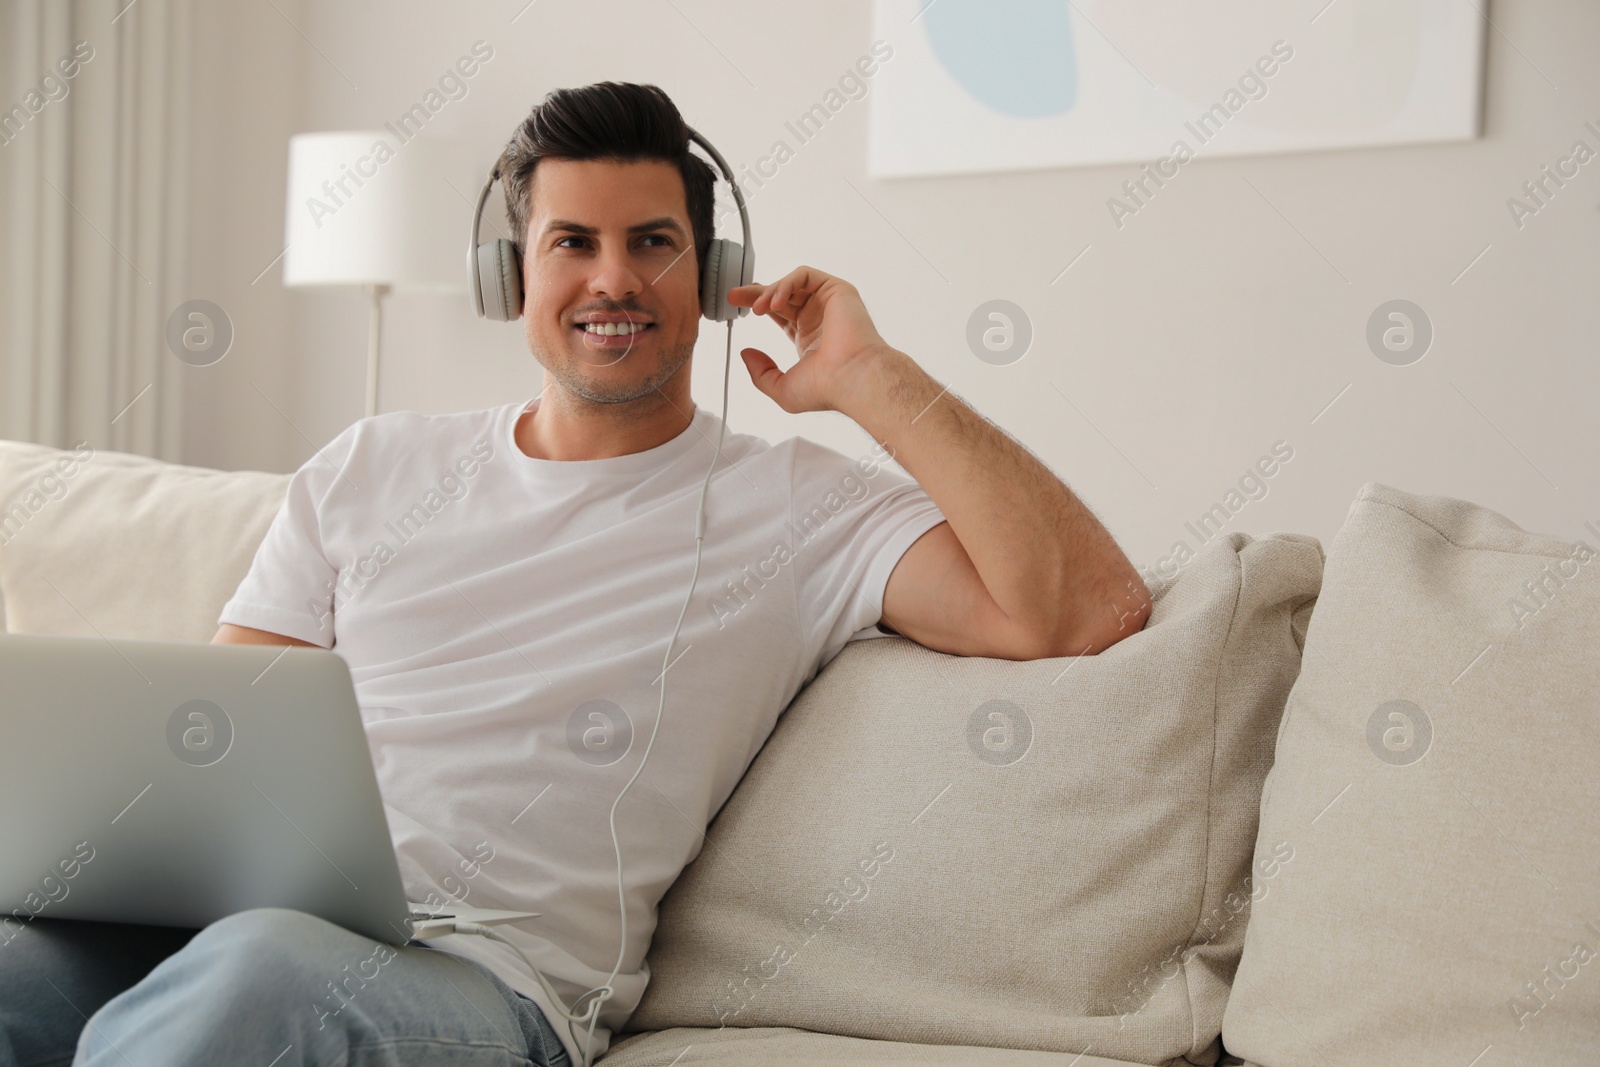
(1327,808)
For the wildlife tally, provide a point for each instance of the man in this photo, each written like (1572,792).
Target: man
(503,584)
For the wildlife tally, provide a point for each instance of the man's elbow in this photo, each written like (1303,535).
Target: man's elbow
(1099,626)
(1098,641)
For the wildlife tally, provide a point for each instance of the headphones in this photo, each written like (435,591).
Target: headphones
(496,271)
(496,266)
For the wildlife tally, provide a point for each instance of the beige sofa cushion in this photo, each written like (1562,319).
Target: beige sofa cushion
(1444,896)
(1067,875)
(107,543)
(787,1047)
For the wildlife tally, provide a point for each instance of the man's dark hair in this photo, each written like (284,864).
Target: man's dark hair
(618,122)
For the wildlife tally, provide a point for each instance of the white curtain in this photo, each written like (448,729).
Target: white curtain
(92,237)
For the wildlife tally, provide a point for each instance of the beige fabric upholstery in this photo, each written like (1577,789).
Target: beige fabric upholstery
(785,1047)
(875,876)
(118,545)
(1444,895)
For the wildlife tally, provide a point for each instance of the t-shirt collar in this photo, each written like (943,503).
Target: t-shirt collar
(702,428)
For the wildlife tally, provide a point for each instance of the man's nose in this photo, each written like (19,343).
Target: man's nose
(615,275)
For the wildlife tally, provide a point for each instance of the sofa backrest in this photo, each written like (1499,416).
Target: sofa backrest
(1436,776)
(118,545)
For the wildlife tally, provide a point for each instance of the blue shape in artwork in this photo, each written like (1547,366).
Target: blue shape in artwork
(1016,57)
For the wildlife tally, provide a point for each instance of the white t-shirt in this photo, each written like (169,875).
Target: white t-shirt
(505,618)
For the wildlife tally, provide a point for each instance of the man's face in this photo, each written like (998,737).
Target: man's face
(610,241)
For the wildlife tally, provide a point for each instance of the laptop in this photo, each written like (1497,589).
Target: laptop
(175,783)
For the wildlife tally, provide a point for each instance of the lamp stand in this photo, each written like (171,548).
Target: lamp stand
(374,341)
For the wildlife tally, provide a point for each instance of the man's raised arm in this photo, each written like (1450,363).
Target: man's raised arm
(1021,569)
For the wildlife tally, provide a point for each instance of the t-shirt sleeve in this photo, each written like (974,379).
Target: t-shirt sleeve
(851,520)
(289,588)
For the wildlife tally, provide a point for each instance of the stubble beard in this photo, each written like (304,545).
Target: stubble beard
(570,378)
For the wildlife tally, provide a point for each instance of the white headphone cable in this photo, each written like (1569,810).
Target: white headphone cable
(591,1012)
(666,663)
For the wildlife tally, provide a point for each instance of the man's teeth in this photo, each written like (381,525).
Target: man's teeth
(611,329)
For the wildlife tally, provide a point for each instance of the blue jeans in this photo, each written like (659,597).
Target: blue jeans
(260,984)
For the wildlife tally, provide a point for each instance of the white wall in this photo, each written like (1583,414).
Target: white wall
(1189,342)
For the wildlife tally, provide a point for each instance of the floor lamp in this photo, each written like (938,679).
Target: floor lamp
(370,211)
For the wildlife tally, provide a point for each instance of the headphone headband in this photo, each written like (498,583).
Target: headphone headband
(477,229)
(738,196)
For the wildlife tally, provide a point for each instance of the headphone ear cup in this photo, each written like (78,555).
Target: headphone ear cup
(710,275)
(726,267)
(499,280)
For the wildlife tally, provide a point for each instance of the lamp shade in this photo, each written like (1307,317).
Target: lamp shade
(368,208)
